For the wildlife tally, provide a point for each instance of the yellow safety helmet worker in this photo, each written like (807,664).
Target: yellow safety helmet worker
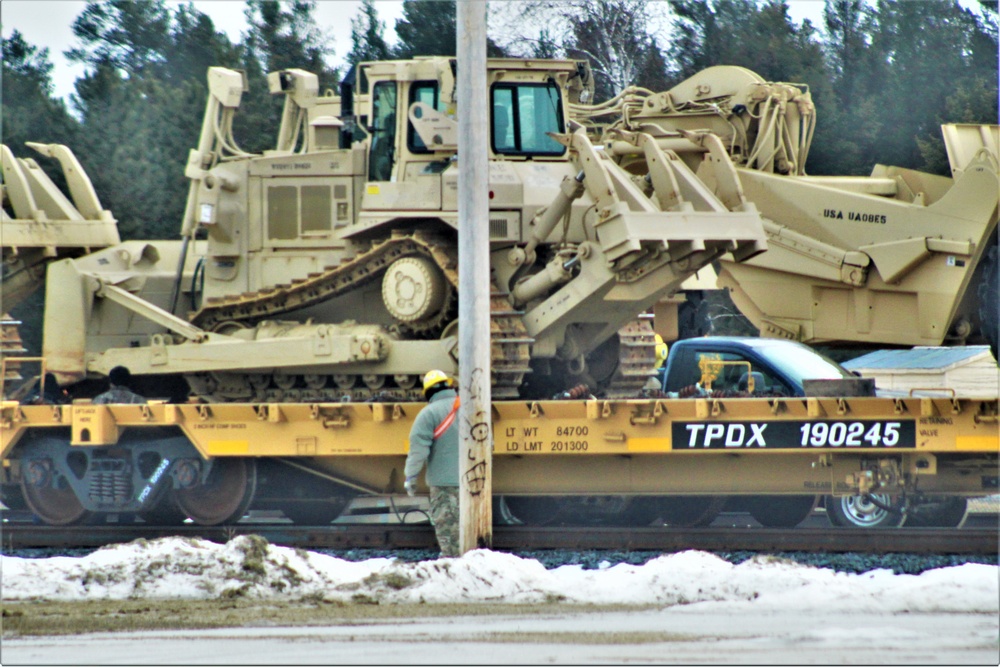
(661,351)
(434,378)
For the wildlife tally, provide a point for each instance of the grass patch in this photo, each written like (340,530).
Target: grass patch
(22,619)
(397,581)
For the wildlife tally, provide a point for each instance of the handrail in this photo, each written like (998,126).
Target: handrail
(913,389)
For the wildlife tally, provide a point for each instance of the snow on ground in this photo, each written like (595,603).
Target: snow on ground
(249,566)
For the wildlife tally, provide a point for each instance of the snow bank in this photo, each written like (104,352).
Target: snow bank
(249,566)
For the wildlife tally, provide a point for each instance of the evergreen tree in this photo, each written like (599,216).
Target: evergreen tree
(196,45)
(759,36)
(428,28)
(282,35)
(367,36)
(614,36)
(851,114)
(285,34)
(141,104)
(129,35)
(29,111)
(939,63)
(975,96)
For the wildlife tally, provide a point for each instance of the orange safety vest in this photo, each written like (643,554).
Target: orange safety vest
(448,420)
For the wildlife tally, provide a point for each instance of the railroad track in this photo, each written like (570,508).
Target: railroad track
(977,539)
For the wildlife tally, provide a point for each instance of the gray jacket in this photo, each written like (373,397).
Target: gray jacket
(441,455)
(118,394)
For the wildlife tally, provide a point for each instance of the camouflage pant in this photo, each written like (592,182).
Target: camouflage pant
(444,516)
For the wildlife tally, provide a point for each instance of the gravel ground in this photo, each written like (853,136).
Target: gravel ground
(589,560)
(551,635)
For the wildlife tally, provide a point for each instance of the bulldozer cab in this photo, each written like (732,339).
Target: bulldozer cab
(411,110)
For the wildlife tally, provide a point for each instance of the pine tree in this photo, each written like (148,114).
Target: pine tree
(367,36)
(285,34)
(282,35)
(427,28)
(141,103)
(937,55)
(129,35)
(29,111)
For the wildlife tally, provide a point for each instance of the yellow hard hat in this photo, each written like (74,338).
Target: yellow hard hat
(436,377)
(661,351)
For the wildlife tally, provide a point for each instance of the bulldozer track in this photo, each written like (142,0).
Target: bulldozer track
(11,346)
(510,344)
(636,359)
(327,284)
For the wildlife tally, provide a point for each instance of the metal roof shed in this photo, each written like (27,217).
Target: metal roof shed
(969,371)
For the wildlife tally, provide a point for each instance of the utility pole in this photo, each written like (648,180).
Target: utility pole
(475,465)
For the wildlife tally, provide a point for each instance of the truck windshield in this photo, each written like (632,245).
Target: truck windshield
(801,363)
(523,114)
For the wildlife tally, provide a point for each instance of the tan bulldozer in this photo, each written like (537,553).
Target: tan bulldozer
(898,257)
(39,224)
(326,268)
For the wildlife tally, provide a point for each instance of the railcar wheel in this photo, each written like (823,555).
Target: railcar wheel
(642,511)
(948,512)
(534,510)
(691,511)
(604,510)
(12,498)
(49,496)
(225,495)
(315,512)
(863,511)
(502,516)
(781,511)
(601,510)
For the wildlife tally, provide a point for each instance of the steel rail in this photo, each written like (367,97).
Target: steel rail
(977,540)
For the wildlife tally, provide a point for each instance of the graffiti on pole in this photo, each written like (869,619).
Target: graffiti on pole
(479,432)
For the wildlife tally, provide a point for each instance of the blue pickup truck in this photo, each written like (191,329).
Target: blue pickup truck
(778,367)
(787,368)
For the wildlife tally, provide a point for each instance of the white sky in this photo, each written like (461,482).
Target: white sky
(48,24)
(195,568)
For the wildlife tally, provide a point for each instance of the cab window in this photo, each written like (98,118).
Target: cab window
(383,146)
(426,92)
(523,114)
(729,371)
